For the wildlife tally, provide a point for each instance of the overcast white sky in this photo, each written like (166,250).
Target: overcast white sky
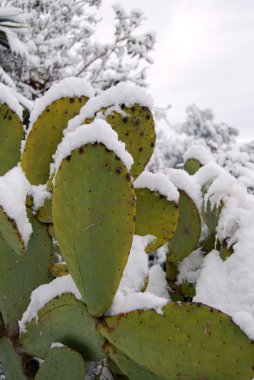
(204,55)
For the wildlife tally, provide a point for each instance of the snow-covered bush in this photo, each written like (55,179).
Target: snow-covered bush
(78,215)
(60,34)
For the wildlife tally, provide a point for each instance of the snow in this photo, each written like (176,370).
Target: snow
(198,152)
(13,190)
(183,181)
(122,93)
(40,194)
(157,283)
(157,182)
(68,87)
(6,97)
(129,295)
(228,285)
(190,267)
(57,345)
(206,174)
(45,293)
(99,131)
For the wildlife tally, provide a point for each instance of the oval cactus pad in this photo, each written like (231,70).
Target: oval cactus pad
(45,135)
(155,216)
(186,341)
(93,215)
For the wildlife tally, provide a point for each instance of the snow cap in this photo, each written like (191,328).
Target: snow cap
(97,132)
(122,93)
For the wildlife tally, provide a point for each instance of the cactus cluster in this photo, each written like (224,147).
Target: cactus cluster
(95,205)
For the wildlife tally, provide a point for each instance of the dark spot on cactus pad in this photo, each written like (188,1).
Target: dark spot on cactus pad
(186,231)
(72,100)
(136,122)
(134,218)
(81,149)
(147,116)
(106,165)
(68,158)
(126,133)
(9,118)
(122,106)
(66,112)
(117,158)
(125,119)
(47,109)
(140,149)
(152,145)
(141,134)
(128,177)
(118,170)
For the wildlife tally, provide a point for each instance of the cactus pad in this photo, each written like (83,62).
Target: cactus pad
(64,320)
(20,275)
(44,214)
(192,165)
(136,129)
(131,369)
(59,270)
(93,197)
(187,234)
(187,341)
(63,362)
(156,216)
(11,361)
(45,135)
(10,232)
(12,132)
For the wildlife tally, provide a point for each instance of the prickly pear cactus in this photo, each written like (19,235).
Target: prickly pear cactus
(77,288)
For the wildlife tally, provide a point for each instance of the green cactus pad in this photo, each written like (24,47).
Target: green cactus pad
(192,165)
(156,216)
(45,135)
(136,129)
(12,133)
(11,361)
(44,214)
(20,275)
(186,237)
(93,197)
(187,341)
(64,320)
(59,270)
(211,217)
(63,363)
(131,369)
(225,251)
(10,232)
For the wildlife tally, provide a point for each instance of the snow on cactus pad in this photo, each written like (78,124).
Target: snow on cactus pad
(65,320)
(160,205)
(184,341)
(47,121)
(126,108)
(93,212)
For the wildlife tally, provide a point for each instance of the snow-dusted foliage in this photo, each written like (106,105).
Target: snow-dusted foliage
(199,129)
(60,34)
